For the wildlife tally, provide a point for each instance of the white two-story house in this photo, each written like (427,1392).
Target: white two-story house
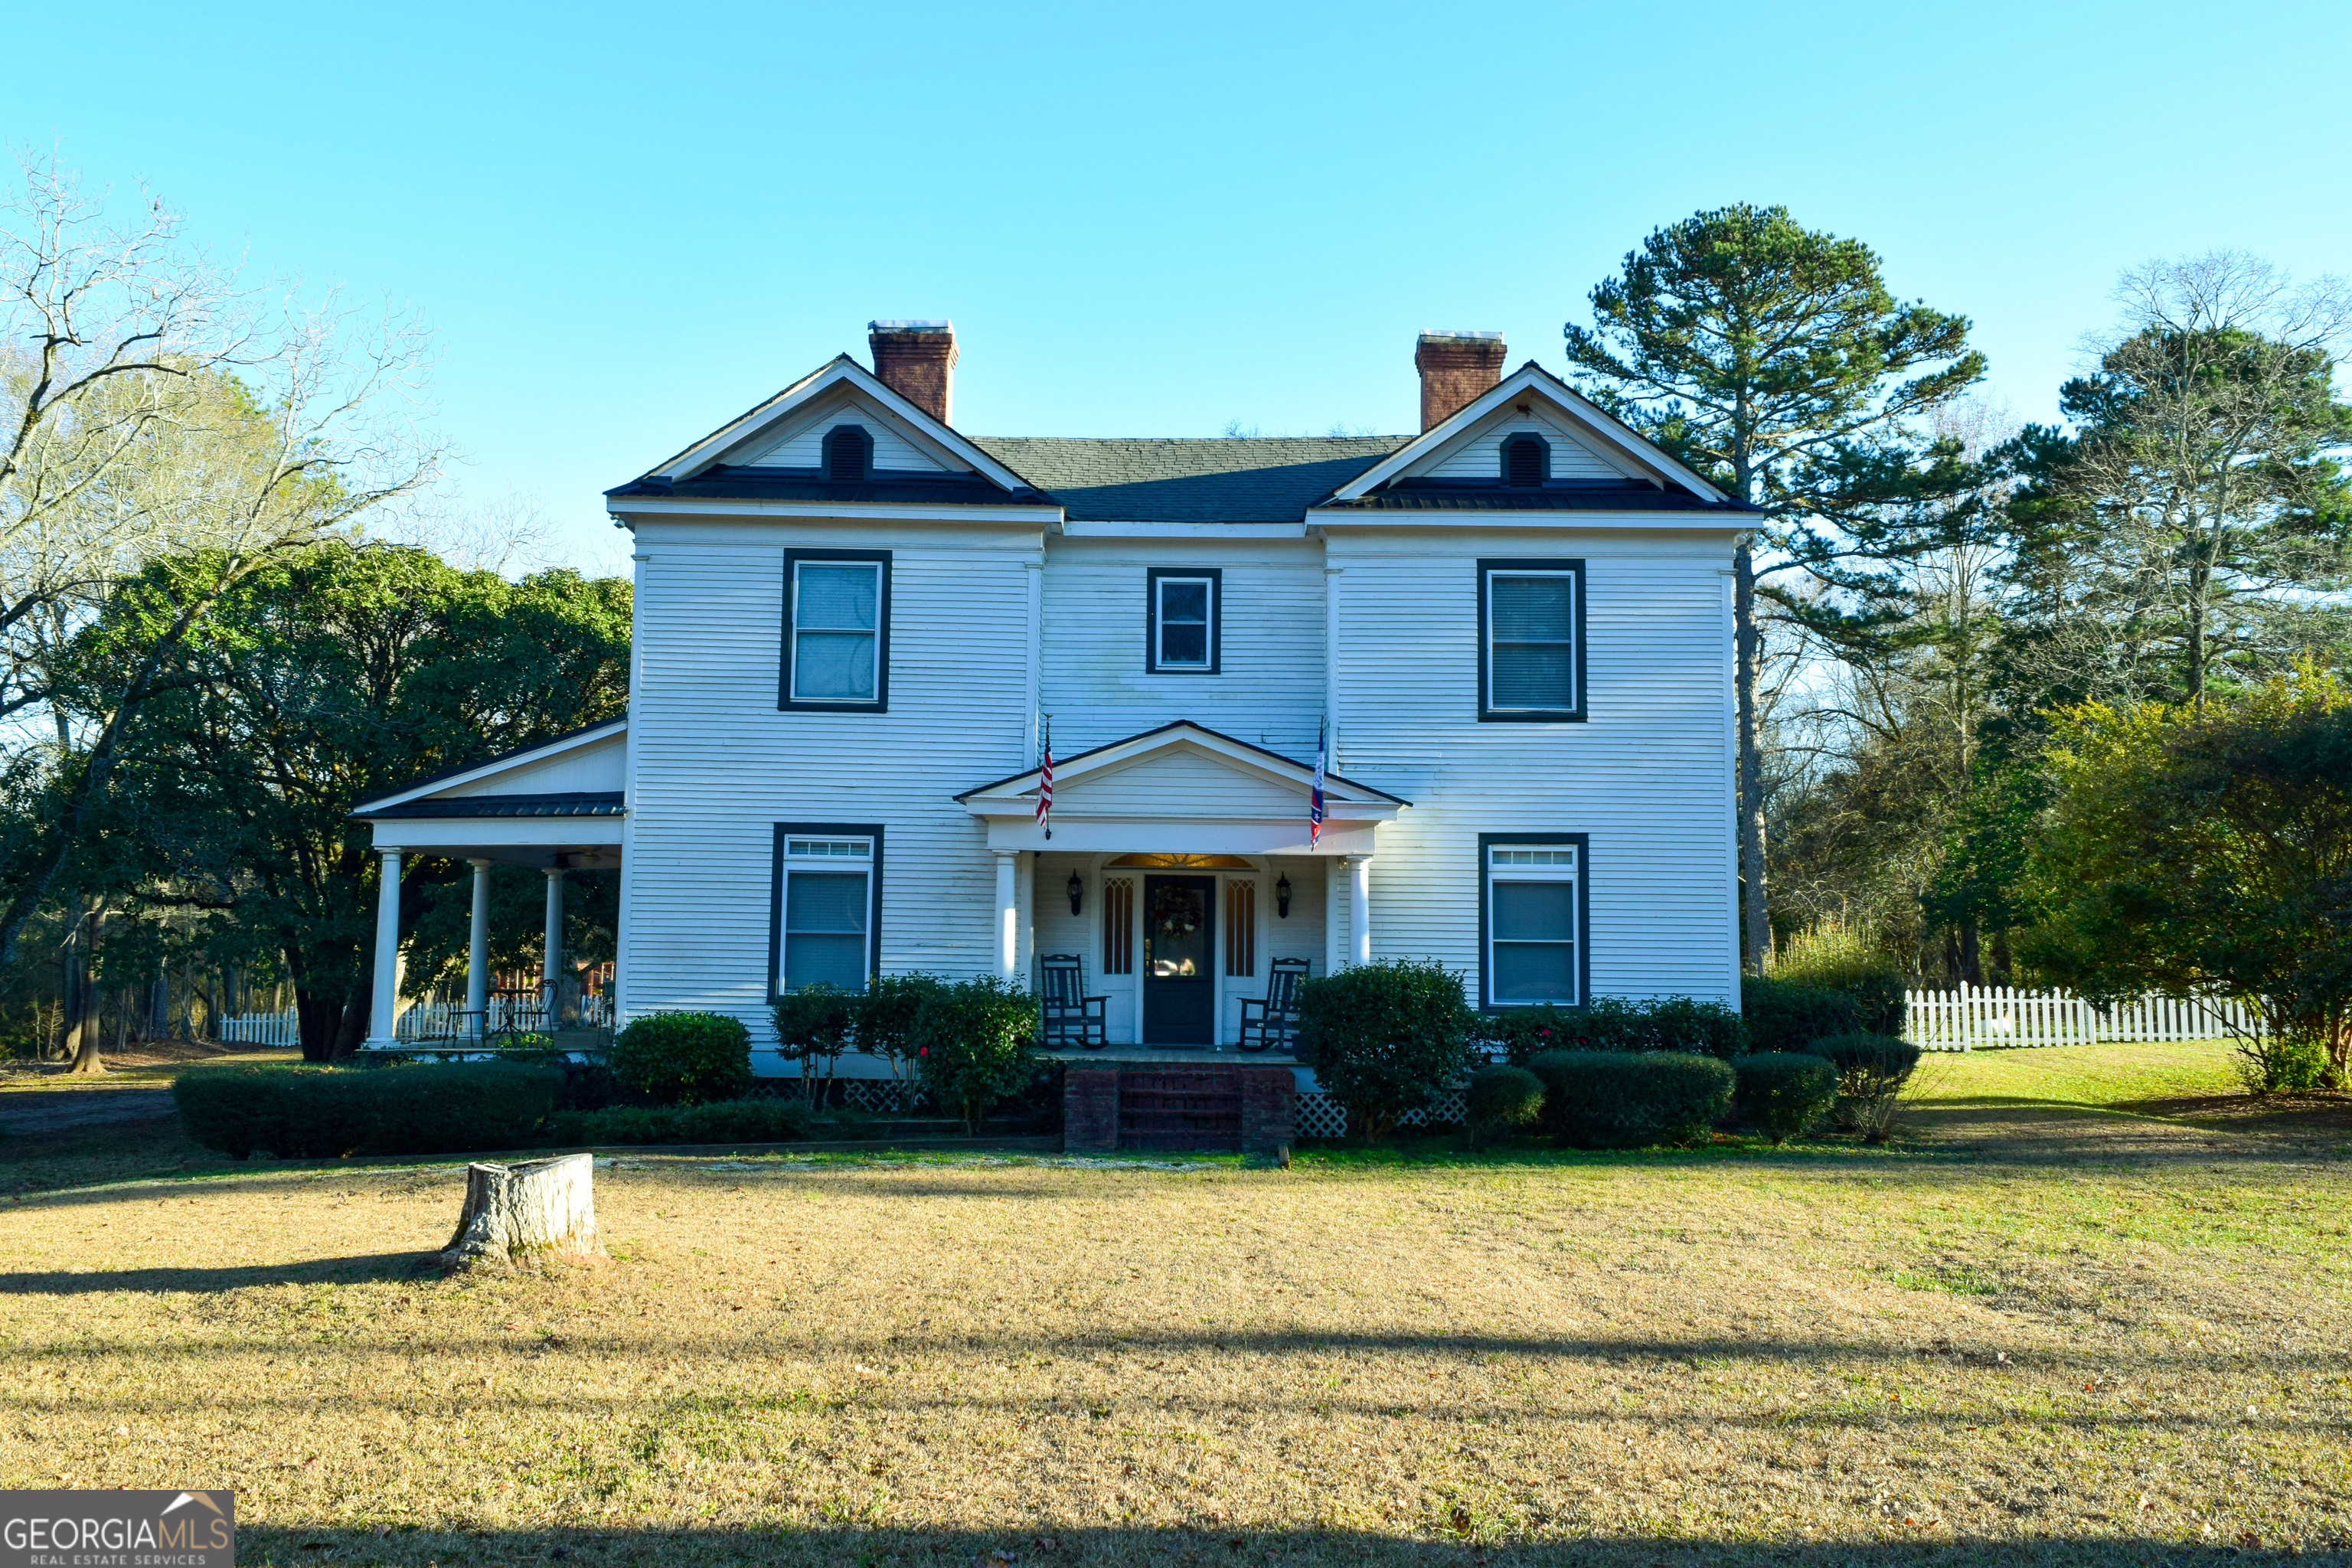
(857,627)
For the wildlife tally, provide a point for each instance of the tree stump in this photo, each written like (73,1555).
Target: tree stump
(535,1211)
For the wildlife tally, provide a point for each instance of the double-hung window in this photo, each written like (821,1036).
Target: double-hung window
(837,630)
(1182,632)
(828,886)
(1532,919)
(1531,640)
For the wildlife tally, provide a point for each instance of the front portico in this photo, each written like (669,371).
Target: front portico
(1179,865)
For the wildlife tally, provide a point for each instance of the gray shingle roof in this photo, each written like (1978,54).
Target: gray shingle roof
(575,803)
(1272,478)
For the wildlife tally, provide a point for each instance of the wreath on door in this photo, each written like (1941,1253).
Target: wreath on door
(1175,913)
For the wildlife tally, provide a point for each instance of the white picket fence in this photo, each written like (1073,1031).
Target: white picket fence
(262,1029)
(1977,1015)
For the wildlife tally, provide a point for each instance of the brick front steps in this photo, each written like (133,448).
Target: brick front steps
(1139,1105)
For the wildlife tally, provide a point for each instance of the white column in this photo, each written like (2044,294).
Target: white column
(1335,946)
(383,1000)
(1008,914)
(552,949)
(477,949)
(1360,909)
(1025,894)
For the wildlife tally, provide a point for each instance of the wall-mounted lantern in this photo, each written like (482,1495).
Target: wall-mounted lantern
(1077,892)
(1282,896)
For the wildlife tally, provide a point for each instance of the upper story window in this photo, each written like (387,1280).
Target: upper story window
(1181,631)
(1527,461)
(827,880)
(848,452)
(1532,918)
(837,630)
(1531,640)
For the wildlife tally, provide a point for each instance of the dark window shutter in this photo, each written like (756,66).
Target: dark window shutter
(848,449)
(1525,459)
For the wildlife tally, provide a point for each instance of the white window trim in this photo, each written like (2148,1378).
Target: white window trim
(877,696)
(1553,868)
(1211,644)
(1575,693)
(829,853)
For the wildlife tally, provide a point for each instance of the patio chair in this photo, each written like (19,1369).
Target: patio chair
(1071,1017)
(1274,1021)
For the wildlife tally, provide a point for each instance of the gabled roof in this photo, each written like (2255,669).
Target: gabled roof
(1531,380)
(1227,479)
(520,758)
(701,462)
(1338,789)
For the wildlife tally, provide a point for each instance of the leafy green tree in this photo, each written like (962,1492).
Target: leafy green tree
(2210,853)
(319,681)
(1772,358)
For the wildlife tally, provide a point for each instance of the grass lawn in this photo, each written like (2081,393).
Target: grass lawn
(2034,1330)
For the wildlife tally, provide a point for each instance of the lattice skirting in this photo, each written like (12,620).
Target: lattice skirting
(1317,1115)
(885,1096)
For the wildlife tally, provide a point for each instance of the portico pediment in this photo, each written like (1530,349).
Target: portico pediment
(1182,788)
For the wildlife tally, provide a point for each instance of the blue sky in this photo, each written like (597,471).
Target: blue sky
(627,224)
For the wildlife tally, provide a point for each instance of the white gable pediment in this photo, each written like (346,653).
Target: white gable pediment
(798,442)
(600,768)
(1477,453)
(1181,780)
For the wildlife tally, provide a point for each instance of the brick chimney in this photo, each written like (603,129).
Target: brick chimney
(1455,369)
(917,361)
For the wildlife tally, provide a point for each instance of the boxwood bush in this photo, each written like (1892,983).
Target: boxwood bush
(1872,1070)
(1385,1037)
(1626,1099)
(1782,1015)
(1784,1092)
(311,1113)
(976,1043)
(684,1058)
(1499,1097)
(751,1121)
(1612,1023)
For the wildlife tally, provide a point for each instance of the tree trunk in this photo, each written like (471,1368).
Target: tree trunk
(89,1021)
(1756,928)
(319,1020)
(533,1212)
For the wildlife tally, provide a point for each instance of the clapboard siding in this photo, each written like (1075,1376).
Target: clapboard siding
(1479,454)
(1270,689)
(717,766)
(597,768)
(803,446)
(1648,777)
(1180,783)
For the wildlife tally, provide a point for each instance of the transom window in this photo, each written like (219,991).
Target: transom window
(1531,652)
(828,909)
(837,646)
(1534,909)
(1182,620)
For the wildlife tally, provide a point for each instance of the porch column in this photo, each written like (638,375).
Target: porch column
(1360,909)
(478,951)
(1008,914)
(552,952)
(383,998)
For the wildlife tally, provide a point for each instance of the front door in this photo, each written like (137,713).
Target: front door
(1179,987)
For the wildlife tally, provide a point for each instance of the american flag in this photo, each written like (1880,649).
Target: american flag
(1315,800)
(1045,775)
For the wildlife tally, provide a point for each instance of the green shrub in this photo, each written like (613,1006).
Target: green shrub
(975,1043)
(1833,956)
(1872,1071)
(1782,1015)
(1784,1092)
(309,1113)
(1626,1099)
(764,1120)
(2284,1064)
(887,1013)
(815,1024)
(1612,1023)
(1385,1037)
(684,1058)
(1500,1097)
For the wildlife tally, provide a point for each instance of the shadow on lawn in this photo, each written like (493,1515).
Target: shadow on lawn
(1049,1546)
(363,1269)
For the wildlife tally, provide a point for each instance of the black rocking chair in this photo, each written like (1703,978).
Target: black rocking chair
(1274,1021)
(1070,1016)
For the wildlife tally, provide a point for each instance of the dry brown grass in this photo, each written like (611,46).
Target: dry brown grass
(2034,1335)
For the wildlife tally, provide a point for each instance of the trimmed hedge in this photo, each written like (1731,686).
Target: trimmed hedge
(1862,1055)
(312,1113)
(684,1058)
(763,1121)
(1385,1037)
(1501,1096)
(1784,1092)
(1626,1099)
(1612,1023)
(1785,1017)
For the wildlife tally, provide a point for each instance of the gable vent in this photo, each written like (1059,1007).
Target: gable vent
(848,452)
(1526,460)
